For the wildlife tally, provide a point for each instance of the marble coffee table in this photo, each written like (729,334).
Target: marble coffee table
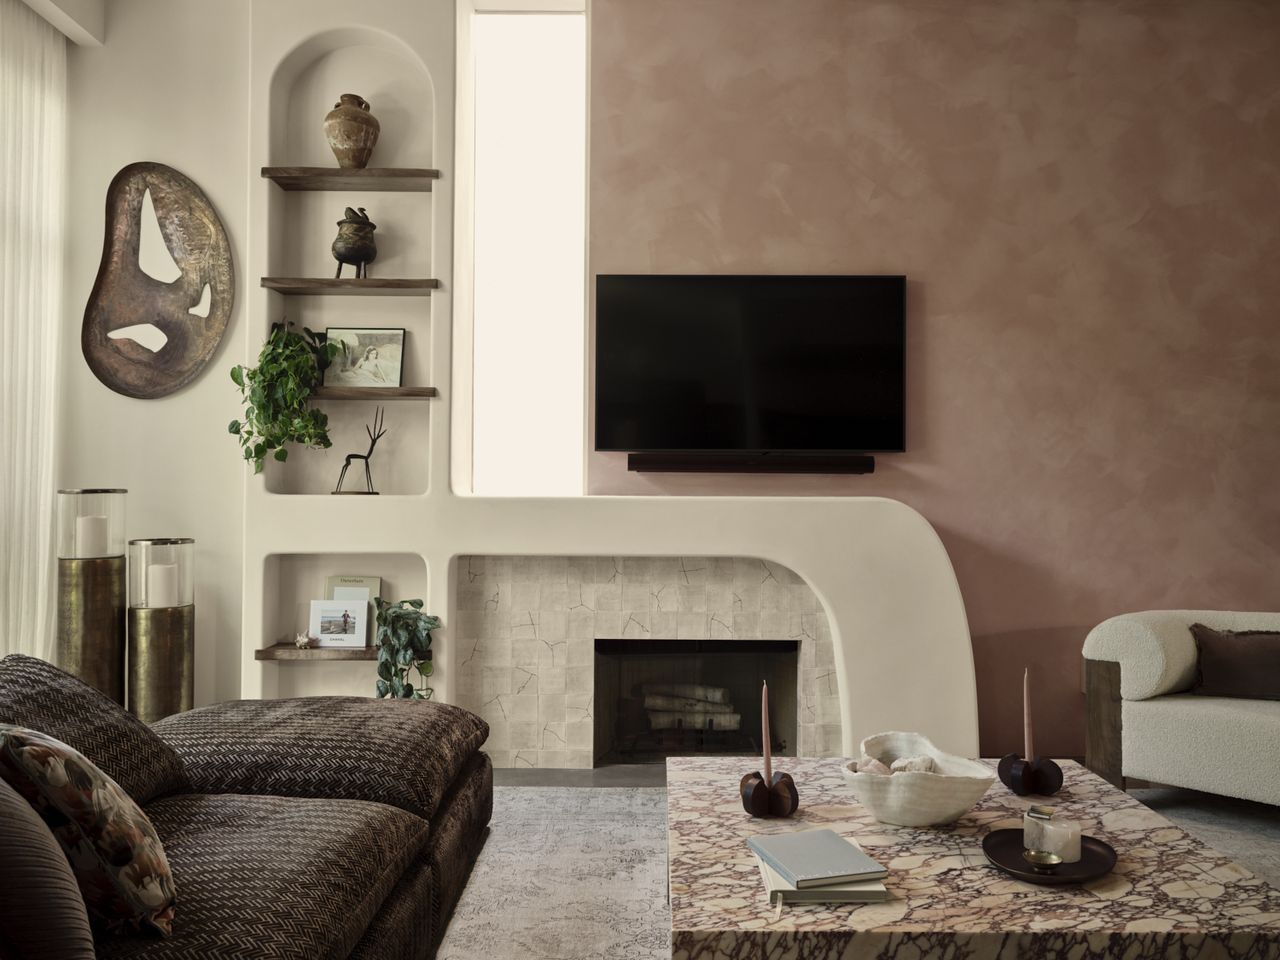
(1170,896)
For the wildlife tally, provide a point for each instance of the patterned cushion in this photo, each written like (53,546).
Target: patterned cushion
(405,753)
(38,695)
(115,854)
(275,878)
(43,917)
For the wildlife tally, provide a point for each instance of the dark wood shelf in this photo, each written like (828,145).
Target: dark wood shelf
(375,393)
(349,287)
(372,179)
(287,651)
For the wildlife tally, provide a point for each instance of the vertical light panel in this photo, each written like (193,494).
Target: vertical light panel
(529,254)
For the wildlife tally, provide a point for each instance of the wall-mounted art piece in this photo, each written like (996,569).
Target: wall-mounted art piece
(165,287)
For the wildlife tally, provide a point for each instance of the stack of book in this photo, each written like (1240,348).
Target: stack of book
(817,866)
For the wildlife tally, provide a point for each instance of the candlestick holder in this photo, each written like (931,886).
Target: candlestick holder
(162,619)
(1027,773)
(769,794)
(90,612)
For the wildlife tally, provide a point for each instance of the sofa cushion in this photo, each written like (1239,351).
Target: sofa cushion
(117,859)
(1231,663)
(43,917)
(1215,744)
(274,877)
(405,753)
(38,695)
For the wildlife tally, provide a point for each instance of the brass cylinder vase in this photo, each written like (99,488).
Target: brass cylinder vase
(162,656)
(162,627)
(91,595)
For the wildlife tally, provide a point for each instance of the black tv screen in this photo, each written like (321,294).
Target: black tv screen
(755,364)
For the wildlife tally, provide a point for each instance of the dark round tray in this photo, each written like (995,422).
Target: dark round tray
(1004,849)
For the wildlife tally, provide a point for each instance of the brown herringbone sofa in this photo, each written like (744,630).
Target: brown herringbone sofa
(318,828)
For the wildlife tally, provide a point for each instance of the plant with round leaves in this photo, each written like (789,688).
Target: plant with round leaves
(276,394)
(404,644)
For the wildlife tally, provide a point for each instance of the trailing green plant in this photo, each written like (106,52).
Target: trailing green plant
(404,644)
(276,394)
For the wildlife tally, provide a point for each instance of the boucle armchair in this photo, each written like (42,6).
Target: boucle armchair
(1143,724)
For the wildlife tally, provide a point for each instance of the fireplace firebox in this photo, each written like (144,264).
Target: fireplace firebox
(663,698)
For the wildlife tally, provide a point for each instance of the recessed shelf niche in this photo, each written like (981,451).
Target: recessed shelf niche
(293,580)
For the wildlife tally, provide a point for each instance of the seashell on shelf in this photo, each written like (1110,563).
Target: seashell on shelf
(916,798)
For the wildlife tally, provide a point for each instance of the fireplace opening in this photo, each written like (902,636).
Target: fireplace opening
(668,698)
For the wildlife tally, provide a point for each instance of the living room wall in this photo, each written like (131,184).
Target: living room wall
(1082,198)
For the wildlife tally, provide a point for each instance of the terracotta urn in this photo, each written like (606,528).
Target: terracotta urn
(352,131)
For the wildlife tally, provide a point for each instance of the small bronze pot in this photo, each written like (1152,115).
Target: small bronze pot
(355,244)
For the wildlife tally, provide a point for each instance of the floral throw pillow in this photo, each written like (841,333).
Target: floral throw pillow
(113,849)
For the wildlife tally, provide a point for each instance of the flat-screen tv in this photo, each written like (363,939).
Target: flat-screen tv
(750,364)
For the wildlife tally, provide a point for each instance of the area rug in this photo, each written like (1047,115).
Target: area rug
(568,873)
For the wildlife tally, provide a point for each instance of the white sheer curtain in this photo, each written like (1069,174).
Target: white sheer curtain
(33,95)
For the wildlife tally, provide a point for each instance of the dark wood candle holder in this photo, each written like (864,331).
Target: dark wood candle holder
(777,799)
(1040,776)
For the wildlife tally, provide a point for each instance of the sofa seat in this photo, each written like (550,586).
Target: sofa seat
(274,878)
(1215,744)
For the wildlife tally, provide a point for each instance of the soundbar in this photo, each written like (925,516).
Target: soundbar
(833,463)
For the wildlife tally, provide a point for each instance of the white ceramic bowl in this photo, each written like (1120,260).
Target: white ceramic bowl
(914,799)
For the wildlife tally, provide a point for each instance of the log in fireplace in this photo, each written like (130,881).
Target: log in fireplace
(663,698)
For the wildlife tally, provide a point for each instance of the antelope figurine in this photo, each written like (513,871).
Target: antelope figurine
(375,434)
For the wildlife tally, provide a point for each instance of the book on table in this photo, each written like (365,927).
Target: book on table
(815,858)
(780,892)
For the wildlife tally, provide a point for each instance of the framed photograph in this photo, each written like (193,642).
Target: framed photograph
(367,357)
(339,623)
(346,587)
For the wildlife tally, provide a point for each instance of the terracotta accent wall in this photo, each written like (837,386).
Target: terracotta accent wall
(1085,198)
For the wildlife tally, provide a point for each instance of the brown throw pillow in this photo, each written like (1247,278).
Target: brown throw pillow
(113,849)
(39,696)
(1243,663)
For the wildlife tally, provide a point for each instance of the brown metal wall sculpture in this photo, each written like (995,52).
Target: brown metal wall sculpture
(124,295)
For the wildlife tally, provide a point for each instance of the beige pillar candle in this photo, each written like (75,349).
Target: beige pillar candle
(764,734)
(1028,748)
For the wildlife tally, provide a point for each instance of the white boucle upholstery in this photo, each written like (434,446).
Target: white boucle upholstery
(1219,745)
(1155,650)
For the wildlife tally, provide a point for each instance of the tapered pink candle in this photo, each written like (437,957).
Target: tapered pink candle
(1027,746)
(764,734)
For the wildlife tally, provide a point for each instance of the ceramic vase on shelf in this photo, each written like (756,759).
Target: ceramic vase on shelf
(162,625)
(91,587)
(352,131)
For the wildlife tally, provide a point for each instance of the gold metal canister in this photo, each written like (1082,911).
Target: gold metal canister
(91,622)
(161,662)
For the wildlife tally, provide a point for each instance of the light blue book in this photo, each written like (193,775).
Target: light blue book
(815,858)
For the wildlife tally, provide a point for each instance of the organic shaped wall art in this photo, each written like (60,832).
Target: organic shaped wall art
(165,286)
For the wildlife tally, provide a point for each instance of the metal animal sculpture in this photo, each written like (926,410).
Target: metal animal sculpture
(375,434)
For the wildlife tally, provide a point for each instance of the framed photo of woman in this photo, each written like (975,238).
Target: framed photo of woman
(367,357)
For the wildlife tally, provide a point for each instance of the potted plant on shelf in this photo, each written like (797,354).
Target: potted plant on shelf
(276,394)
(404,643)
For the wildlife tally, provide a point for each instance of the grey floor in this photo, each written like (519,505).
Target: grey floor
(1247,832)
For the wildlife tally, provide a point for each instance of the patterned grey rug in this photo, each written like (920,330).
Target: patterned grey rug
(575,872)
(568,873)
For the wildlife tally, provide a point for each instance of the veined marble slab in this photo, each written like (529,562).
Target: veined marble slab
(1169,896)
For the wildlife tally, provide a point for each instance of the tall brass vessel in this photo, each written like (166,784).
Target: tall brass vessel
(91,587)
(162,623)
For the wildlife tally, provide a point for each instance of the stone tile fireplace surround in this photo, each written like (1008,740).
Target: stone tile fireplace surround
(525,631)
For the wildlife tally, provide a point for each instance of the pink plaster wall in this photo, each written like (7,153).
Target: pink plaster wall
(1085,198)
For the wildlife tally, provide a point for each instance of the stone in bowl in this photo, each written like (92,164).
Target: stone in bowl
(917,798)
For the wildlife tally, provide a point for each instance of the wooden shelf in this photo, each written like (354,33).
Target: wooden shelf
(350,287)
(287,651)
(375,393)
(372,179)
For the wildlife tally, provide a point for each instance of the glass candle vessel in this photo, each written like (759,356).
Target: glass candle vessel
(162,624)
(1045,832)
(90,523)
(161,572)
